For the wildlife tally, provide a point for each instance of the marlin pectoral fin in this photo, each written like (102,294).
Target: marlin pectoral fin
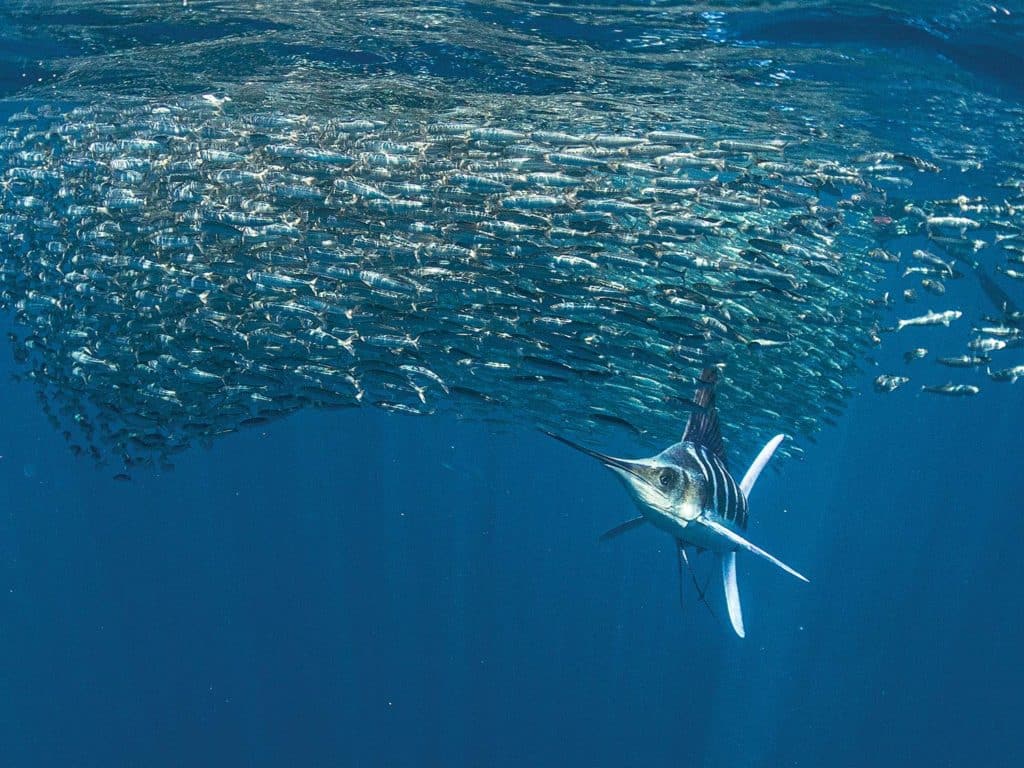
(732,592)
(625,527)
(739,541)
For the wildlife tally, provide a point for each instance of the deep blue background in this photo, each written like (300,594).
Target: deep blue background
(360,588)
(364,588)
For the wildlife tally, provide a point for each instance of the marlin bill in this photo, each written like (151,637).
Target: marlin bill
(688,491)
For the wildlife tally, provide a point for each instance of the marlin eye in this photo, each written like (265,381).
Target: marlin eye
(667,478)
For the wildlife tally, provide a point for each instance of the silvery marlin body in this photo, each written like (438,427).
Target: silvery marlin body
(688,492)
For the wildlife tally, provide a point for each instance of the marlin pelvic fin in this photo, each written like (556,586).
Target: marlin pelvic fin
(747,483)
(739,541)
(625,527)
(732,592)
(686,565)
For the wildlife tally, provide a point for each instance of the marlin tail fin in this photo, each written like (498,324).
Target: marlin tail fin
(732,592)
(747,483)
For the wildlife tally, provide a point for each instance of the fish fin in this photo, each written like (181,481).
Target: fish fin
(738,540)
(999,298)
(702,427)
(684,563)
(747,483)
(622,528)
(732,592)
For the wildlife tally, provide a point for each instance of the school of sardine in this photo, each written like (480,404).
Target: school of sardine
(184,267)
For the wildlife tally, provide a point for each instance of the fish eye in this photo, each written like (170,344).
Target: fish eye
(667,478)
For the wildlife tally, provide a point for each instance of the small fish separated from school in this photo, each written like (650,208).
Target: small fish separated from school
(688,491)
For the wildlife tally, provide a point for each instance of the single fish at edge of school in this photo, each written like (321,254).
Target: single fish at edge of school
(688,492)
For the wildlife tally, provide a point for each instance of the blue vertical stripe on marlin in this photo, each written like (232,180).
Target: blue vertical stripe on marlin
(688,491)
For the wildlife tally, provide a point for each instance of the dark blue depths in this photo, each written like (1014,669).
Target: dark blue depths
(362,588)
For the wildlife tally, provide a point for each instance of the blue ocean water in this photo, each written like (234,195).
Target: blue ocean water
(360,587)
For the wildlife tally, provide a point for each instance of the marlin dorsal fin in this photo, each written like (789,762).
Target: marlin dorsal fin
(747,483)
(702,427)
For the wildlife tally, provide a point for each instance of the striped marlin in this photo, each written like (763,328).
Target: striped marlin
(688,492)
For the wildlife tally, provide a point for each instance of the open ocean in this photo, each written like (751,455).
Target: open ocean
(321,582)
